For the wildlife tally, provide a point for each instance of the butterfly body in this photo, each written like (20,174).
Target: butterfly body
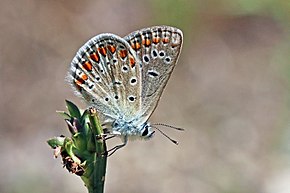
(123,78)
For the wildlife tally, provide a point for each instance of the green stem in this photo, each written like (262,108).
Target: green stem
(100,157)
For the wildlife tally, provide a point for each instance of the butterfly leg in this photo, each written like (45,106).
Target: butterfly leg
(114,149)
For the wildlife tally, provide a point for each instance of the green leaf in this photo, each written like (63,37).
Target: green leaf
(55,142)
(65,115)
(73,109)
(80,141)
(84,117)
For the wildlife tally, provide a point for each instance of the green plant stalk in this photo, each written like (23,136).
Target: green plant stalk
(97,181)
(85,152)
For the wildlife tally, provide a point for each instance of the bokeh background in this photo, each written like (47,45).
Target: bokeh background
(230,91)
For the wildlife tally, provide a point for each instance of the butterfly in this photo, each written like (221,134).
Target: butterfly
(123,78)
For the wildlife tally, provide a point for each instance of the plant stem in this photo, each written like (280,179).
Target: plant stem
(100,157)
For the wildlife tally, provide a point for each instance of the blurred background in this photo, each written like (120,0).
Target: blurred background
(230,91)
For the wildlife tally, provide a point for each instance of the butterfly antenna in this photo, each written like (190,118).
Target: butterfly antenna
(169,126)
(164,134)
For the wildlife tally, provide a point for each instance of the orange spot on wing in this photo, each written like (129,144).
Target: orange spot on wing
(87,65)
(123,53)
(132,62)
(156,40)
(95,57)
(84,77)
(103,51)
(138,46)
(112,48)
(165,40)
(147,42)
(79,81)
(133,46)
(77,85)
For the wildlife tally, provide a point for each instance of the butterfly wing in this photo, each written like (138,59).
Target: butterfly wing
(106,73)
(158,48)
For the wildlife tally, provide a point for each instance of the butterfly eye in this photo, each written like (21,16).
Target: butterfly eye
(145,132)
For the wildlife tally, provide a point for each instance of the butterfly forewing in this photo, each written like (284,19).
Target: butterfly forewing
(158,48)
(106,72)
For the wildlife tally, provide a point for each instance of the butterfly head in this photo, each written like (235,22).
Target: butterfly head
(132,130)
(146,131)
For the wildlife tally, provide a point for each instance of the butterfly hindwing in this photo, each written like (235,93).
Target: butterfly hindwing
(158,48)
